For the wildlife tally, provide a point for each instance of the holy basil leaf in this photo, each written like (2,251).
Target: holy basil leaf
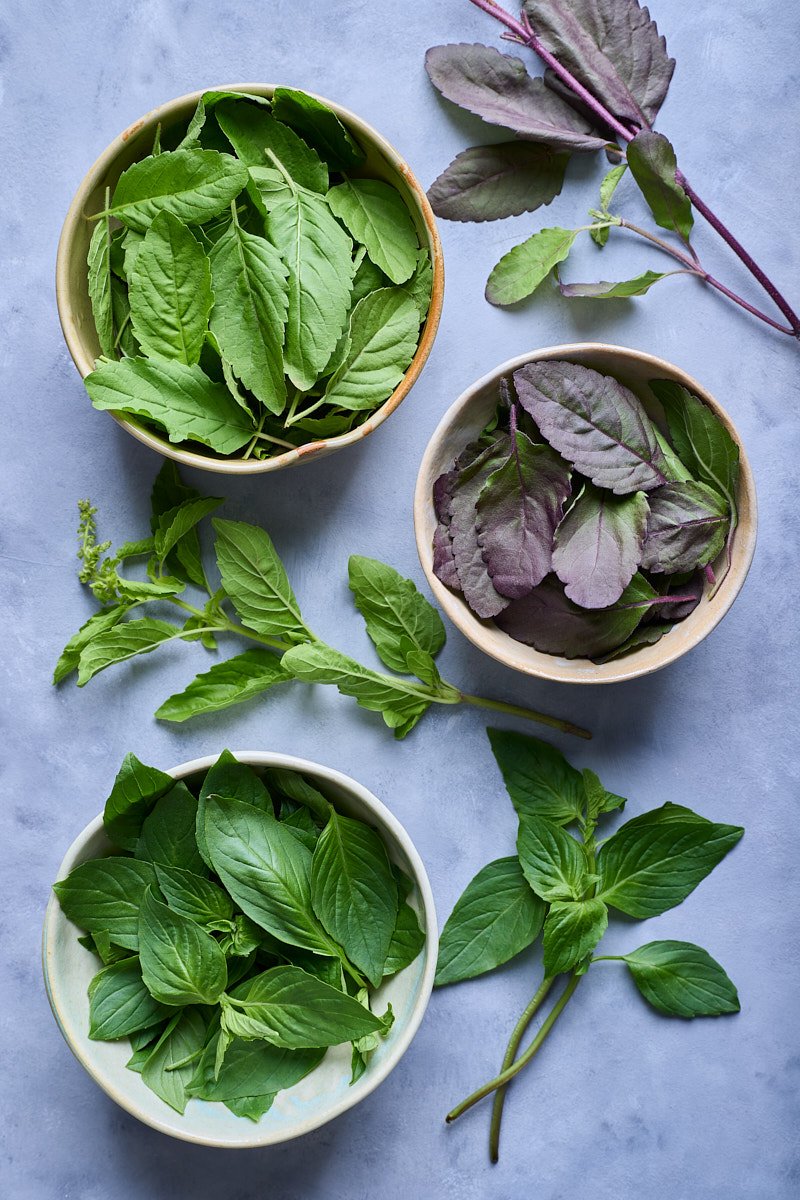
(255,579)
(318,125)
(169,291)
(353,892)
(260,140)
(572,929)
(608,186)
(192,184)
(183,1037)
(120,1004)
(99,283)
(237,679)
(651,159)
(176,523)
(181,963)
(99,622)
(378,218)
(539,780)
(169,493)
(135,791)
(598,546)
(394,611)
(266,870)
(605,290)
(497,88)
(518,510)
(496,917)
(686,528)
(595,423)
(653,862)
(194,897)
(287,1007)
(682,980)
(105,894)
(552,861)
(519,272)
(183,400)
(384,331)
(487,183)
(167,835)
(407,941)
(420,286)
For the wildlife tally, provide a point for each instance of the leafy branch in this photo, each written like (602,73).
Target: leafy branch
(606,76)
(256,602)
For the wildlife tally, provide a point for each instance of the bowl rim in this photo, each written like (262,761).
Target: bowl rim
(388,821)
(561,670)
(309,450)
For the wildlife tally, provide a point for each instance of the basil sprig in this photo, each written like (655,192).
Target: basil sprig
(242,926)
(566,883)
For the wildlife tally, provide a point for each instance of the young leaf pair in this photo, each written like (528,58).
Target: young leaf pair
(607,75)
(573,521)
(249,294)
(242,926)
(256,602)
(565,883)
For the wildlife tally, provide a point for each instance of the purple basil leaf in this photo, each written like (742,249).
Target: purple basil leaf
(517,513)
(687,584)
(444,564)
(557,85)
(487,183)
(651,159)
(497,88)
(598,546)
(476,583)
(645,635)
(687,527)
(595,423)
(612,47)
(604,290)
(548,621)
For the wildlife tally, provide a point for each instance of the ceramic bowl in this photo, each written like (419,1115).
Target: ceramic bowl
(465,420)
(323,1094)
(72,295)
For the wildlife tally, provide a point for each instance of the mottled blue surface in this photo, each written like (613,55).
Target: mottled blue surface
(622,1104)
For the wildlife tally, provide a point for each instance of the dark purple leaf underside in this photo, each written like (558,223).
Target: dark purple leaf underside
(598,546)
(476,584)
(687,527)
(444,564)
(487,183)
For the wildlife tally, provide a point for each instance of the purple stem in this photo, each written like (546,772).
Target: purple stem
(656,600)
(708,571)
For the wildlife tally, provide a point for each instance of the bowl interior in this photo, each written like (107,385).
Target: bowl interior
(72,291)
(465,420)
(322,1095)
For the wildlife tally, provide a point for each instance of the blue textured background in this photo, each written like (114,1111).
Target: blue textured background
(622,1104)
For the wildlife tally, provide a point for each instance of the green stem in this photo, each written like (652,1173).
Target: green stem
(510,1054)
(609,958)
(529,714)
(293,418)
(508,1074)
(251,445)
(229,626)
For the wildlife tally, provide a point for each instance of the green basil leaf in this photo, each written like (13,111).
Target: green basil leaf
(419,287)
(319,126)
(384,332)
(651,159)
(407,941)
(206,105)
(183,1036)
(703,443)
(231,682)
(303,827)
(572,929)
(255,579)
(486,183)
(183,400)
(496,917)
(520,272)
(289,1008)
(377,216)
(194,897)
(235,781)
(552,861)
(297,788)
(120,643)
(251,1069)
(181,963)
(169,291)
(167,835)
(120,1004)
(654,861)
(135,791)
(645,635)
(598,800)
(260,140)
(99,282)
(99,622)
(606,290)
(608,186)
(539,780)
(192,184)
(598,545)
(682,980)
(394,611)
(105,894)
(353,892)
(175,523)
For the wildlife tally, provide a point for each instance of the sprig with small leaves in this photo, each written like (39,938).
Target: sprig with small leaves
(256,602)
(564,882)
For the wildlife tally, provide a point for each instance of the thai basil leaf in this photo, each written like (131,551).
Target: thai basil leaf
(194,185)
(135,791)
(539,780)
(193,896)
(394,611)
(598,799)
(605,290)
(487,183)
(105,895)
(260,140)
(236,781)
(318,125)
(298,789)
(552,861)
(407,941)
(682,980)
(572,929)
(181,963)
(651,159)
(251,1069)
(519,272)
(687,527)
(255,579)
(384,332)
(495,918)
(120,1004)
(237,679)
(303,827)
(99,282)
(183,1036)
(598,546)
(168,836)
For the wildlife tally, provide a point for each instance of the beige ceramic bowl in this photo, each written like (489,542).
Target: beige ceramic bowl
(323,1094)
(465,420)
(72,295)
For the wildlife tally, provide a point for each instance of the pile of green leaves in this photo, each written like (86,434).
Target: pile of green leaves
(607,73)
(255,601)
(243,927)
(250,301)
(564,883)
(576,523)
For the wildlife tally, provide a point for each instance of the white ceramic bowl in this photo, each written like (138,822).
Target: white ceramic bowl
(323,1094)
(465,420)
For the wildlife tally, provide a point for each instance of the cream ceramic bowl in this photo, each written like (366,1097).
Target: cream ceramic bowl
(323,1094)
(72,295)
(465,420)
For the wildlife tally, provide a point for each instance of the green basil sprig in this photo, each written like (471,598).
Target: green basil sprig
(565,883)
